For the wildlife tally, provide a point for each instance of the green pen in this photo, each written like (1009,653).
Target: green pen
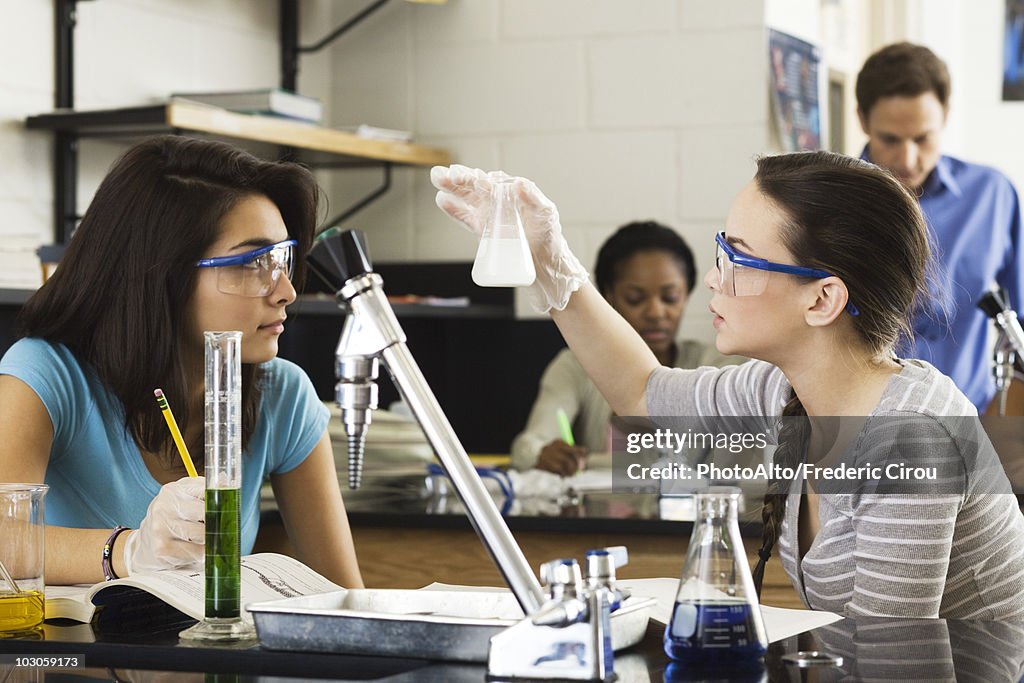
(565,427)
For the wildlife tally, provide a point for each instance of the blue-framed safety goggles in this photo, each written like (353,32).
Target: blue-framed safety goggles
(743,275)
(253,273)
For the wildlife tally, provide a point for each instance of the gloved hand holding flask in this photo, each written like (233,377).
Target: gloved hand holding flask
(466,194)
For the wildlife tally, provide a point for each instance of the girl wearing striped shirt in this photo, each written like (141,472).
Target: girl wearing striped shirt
(821,262)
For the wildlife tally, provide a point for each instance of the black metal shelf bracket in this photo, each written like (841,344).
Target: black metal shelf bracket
(65,149)
(362,203)
(290,48)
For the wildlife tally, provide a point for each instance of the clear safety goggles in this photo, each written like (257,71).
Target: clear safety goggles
(254,273)
(743,275)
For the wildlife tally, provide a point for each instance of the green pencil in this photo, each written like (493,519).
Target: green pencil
(565,427)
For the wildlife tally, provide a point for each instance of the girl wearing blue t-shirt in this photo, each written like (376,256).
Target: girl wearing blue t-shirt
(182,236)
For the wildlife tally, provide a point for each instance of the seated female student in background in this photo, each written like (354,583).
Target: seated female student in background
(646,272)
(124,313)
(824,334)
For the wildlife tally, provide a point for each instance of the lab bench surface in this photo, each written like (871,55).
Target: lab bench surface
(407,540)
(869,649)
(411,558)
(404,501)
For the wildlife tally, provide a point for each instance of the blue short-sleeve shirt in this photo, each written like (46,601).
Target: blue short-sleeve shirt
(96,474)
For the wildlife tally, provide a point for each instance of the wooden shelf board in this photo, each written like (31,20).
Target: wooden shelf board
(200,118)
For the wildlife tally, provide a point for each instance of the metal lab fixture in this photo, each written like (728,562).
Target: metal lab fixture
(370,334)
(569,637)
(1009,346)
(1003,360)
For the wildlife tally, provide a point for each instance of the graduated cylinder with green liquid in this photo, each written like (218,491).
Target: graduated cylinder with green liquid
(223,553)
(223,571)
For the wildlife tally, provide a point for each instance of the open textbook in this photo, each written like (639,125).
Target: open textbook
(175,595)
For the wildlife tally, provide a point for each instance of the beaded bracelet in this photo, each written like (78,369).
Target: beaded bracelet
(108,550)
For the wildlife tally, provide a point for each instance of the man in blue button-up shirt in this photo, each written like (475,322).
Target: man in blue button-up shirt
(973,211)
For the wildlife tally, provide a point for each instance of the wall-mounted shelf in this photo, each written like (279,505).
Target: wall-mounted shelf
(265,136)
(317,144)
(325,305)
(447,280)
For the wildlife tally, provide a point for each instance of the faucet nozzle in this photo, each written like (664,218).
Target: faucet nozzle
(356,393)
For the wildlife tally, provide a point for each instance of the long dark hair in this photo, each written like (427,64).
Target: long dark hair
(856,221)
(118,299)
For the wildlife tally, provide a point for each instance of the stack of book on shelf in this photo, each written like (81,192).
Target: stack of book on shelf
(265,101)
(376,133)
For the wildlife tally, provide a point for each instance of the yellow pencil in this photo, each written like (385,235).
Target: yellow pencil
(175,433)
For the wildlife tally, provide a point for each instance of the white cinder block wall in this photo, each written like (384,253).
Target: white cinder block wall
(619,110)
(26,86)
(127,52)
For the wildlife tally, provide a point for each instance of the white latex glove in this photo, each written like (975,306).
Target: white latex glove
(465,195)
(173,533)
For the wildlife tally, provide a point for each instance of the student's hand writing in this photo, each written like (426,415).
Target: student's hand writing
(561,458)
(172,534)
(465,195)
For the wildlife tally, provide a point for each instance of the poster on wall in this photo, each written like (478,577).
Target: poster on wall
(1013,51)
(795,107)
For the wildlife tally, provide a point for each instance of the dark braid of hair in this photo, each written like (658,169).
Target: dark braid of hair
(792,444)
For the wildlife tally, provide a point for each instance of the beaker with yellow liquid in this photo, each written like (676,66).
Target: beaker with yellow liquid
(22,545)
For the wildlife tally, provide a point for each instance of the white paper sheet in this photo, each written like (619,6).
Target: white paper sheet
(779,622)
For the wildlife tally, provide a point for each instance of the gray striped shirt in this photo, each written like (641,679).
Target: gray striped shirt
(956,555)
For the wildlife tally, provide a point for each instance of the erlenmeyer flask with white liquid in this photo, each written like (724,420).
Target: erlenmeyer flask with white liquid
(503,258)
